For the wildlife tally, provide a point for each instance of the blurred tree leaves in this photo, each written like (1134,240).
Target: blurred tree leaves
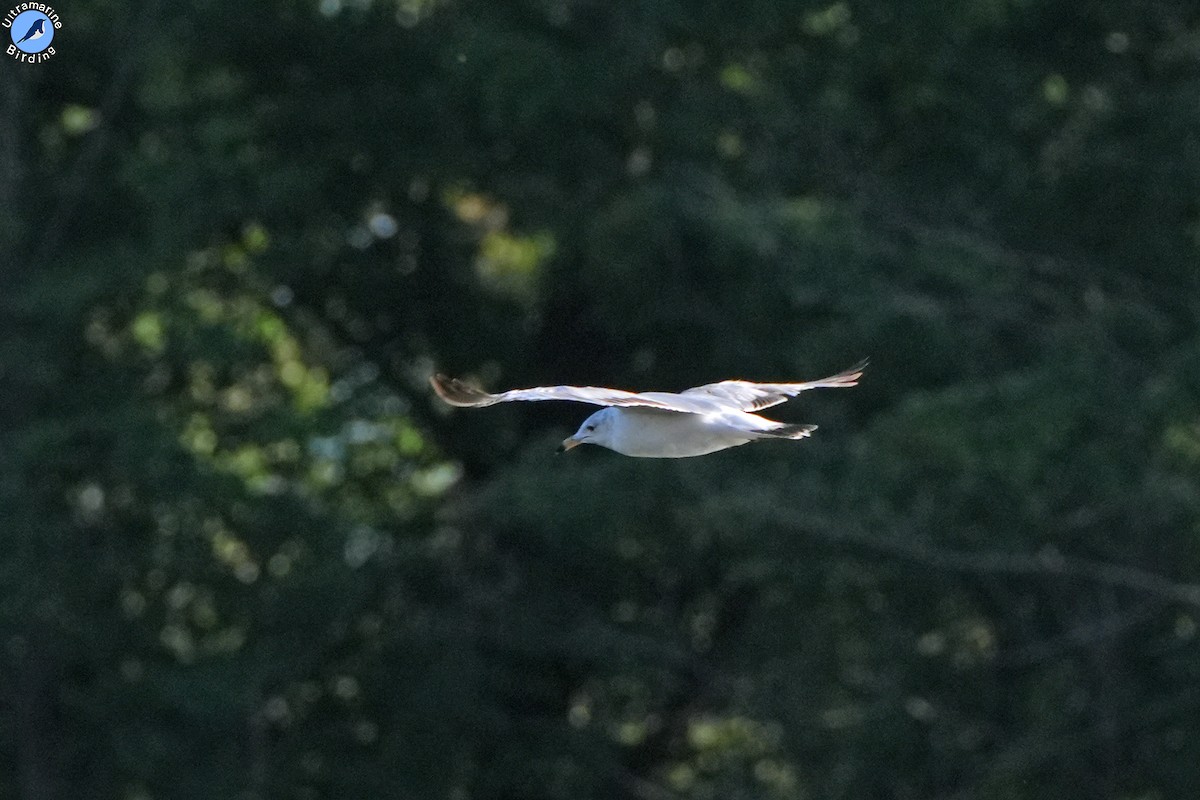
(245,556)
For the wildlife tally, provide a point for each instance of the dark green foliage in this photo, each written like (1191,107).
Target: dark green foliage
(246,554)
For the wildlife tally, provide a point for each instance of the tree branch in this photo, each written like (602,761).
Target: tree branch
(1047,563)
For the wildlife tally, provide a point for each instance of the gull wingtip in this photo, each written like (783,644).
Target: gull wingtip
(850,375)
(456,393)
(443,386)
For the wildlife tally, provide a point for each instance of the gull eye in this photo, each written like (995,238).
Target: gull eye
(590,428)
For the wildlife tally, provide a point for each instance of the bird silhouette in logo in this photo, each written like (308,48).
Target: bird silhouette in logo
(36,31)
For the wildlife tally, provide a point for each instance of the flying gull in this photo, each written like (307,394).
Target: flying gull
(693,422)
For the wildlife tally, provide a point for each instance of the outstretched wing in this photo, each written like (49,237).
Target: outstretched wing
(713,397)
(747,396)
(457,393)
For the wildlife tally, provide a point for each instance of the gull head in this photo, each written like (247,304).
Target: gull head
(596,429)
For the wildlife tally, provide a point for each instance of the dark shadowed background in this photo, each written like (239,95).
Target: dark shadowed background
(244,553)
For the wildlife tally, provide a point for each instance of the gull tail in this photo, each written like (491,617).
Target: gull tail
(785,431)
